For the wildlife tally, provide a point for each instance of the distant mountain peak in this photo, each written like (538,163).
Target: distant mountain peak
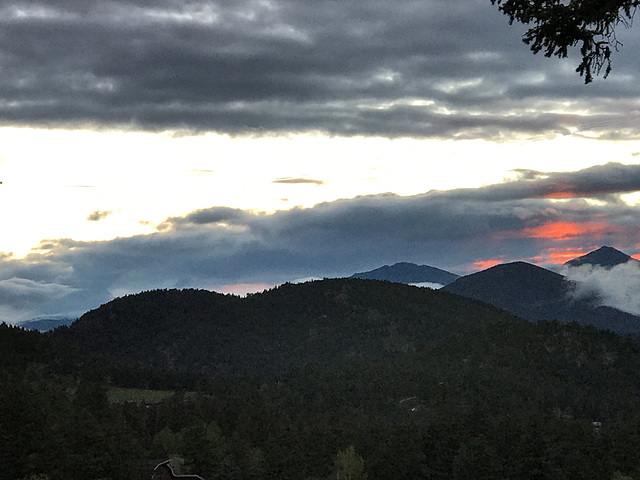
(405,272)
(47,323)
(535,293)
(605,256)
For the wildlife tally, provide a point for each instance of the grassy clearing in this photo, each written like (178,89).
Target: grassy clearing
(137,395)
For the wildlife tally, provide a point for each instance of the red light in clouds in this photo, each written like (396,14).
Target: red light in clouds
(564,257)
(560,195)
(559,255)
(569,230)
(484,264)
(636,256)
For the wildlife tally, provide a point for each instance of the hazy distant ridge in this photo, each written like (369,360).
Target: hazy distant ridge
(404,272)
(47,324)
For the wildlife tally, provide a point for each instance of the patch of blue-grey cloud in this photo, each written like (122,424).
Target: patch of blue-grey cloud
(218,246)
(429,68)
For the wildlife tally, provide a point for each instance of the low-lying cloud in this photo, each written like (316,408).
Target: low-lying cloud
(617,286)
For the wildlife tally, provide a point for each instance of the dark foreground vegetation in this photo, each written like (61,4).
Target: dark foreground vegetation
(332,379)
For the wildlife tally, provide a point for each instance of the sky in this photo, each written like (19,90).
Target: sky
(237,145)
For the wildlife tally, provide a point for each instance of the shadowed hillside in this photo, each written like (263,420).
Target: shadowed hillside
(535,293)
(406,382)
(324,322)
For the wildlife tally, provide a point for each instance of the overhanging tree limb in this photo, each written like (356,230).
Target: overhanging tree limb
(557,25)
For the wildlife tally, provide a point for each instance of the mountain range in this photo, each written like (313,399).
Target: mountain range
(528,291)
(304,379)
(322,321)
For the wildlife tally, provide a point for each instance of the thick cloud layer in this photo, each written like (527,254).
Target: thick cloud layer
(429,68)
(224,248)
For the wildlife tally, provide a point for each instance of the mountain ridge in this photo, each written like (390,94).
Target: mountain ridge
(47,323)
(411,273)
(319,322)
(417,380)
(535,293)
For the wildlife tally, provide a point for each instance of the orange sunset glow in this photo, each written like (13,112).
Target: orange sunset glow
(569,230)
(484,264)
(559,195)
(559,256)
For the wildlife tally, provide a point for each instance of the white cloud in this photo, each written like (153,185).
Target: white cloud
(23,287)
(617,287)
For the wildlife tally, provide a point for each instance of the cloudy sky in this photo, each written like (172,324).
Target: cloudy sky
(235,145)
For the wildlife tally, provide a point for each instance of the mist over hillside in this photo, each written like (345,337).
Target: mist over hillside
(608,275)
(534,294)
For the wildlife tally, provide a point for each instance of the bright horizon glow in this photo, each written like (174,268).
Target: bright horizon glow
(53,180)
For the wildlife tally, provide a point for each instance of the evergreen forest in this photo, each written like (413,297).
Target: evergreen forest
(338,378)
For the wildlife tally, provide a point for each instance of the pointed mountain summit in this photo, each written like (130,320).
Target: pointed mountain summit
(404,272)
(528,291)
(534,293)
(603,257)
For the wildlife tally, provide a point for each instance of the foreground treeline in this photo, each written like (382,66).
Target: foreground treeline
(493,399)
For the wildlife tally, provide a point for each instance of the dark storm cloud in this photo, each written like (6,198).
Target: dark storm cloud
(218,246)
(215,215)
(434,68)
(593,182)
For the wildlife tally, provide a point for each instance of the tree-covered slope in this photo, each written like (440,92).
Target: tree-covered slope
(423,384)
(325,322)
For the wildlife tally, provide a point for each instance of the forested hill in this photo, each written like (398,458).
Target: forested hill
(384,379)
(323,322)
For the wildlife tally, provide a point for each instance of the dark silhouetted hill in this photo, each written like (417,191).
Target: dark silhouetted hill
(423,383)
(604,257)
(323,322)
(535,293)
(409,273)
